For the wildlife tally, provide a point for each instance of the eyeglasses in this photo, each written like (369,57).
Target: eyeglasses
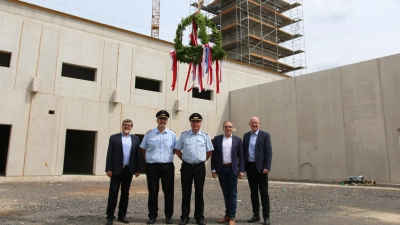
(126,125)
(228,127)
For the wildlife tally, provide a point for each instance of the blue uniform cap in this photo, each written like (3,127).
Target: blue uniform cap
(195,117)
(162,114)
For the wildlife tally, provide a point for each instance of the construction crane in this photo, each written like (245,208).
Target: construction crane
(155,19)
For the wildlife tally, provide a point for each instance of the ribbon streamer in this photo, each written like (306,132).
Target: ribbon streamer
(174,68)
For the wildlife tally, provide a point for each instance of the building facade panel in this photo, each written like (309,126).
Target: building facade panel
(279,118)
(320,119)
(364,120)
(389,70)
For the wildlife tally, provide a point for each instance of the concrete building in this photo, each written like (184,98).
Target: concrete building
(331,124)
(324,126)
(67,83)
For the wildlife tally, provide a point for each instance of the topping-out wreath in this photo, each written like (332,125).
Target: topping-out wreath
(200,57)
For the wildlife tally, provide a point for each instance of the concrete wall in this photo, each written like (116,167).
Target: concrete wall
(331,124)
(41,40)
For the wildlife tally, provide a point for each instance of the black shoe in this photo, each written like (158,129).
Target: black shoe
(201,222)
(168,220)
(266,221)
(123,219)
(109,221)
(184,221)
(151,221)
(253,219)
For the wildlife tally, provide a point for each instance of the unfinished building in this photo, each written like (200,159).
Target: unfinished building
(265,33)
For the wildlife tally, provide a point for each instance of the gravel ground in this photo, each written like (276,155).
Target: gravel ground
(84,202)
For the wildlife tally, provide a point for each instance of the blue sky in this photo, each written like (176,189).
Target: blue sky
(337,32)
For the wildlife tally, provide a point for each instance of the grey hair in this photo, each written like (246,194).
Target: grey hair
(127,121)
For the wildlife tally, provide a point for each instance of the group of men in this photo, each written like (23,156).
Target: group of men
(230,159)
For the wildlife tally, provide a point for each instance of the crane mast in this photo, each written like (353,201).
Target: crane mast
(155,19)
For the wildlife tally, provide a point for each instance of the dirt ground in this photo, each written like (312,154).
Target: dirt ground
(84,202)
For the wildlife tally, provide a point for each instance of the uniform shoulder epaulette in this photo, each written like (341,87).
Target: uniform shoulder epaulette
(206,133)
(172,131)
(148,131)
(184,132)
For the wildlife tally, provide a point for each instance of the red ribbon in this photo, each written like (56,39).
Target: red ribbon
(210,66)
(200,78)
(217,74)
(174,68)
(187,77)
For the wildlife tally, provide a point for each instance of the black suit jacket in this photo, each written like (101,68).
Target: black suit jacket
(115,155)
(237,159)
(262,152)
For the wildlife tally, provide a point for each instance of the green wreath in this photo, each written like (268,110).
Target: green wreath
(189,54)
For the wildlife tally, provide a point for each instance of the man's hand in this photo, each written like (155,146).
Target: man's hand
(178,153)
(109,173)
(265,171)
(137,174)
(214,174)
(241,175)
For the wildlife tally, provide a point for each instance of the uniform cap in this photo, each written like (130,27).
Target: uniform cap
(195,117)
(162,114)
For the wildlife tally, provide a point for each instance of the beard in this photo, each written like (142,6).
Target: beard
(126,131)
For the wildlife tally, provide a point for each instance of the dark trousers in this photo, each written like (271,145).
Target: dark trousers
(228,182)
(189,174)
(122,180)
(165,172)
(258,182)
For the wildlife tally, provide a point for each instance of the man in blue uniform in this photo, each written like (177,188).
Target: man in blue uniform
(194,147)
(158,148)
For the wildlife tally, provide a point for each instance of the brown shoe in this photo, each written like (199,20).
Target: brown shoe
(232,221)
(224,220)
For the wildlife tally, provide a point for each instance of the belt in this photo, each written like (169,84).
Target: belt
(193,164)
(125,166)
(227,164)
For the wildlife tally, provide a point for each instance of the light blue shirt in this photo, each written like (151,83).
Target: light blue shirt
(194,147)
(159,146)
(252,146)
(126,146)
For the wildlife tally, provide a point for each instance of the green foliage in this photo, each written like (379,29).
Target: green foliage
(188,54)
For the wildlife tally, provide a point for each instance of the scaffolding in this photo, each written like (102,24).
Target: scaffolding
(265,33)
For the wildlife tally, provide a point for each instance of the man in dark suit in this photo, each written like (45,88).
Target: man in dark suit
(228,163)
(123,160)
(258,156)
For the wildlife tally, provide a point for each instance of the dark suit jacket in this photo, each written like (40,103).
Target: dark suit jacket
(237,155)
(115,155)
(263,150)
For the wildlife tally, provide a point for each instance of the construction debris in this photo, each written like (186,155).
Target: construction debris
(359,180)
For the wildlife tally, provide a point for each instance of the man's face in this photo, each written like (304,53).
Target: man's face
(196,125)
(127,127)
(228,127)
(254,124)
(162,122)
